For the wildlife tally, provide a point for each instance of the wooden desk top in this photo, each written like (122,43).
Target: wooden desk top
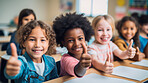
(92,70)
(5,39)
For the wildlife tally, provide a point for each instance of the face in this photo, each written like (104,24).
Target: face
(73,41)
(27,19)
(128,30)
(103,32)
(144,28)
(36,44)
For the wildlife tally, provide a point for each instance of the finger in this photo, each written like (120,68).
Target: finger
(84,48)
(13,50)
(137,49)
(108,59)
(130,44)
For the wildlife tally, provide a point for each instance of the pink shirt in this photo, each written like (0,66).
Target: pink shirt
(101,52)
(67,65)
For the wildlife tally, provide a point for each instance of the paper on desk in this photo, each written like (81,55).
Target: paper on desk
(141,63)
(95,78)
(6,57)
(129,72)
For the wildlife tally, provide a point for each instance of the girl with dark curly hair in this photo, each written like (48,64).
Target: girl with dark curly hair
(72,30)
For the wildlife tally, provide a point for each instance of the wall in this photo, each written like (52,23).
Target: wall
(11,8)
(45,10)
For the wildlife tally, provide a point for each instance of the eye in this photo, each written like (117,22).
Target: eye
(43,39)
(99,29)
(26,19)
(125,28)
(108,29)
(31,39)
(81,38)
(132,28)
(70,40)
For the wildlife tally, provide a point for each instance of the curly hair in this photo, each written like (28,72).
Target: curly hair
(24,32)
(121,23)
(70,21)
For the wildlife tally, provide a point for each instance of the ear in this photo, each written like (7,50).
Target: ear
(24,45)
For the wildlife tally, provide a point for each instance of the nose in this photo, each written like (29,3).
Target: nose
(104,32)
(129,31)
(37,44)
(76,43)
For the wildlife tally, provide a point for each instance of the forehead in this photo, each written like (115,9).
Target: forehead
(74,32)
(129,23)
(103,24)
(37,31)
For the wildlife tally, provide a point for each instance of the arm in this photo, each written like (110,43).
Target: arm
(129,53)
(12,40)
(85,62)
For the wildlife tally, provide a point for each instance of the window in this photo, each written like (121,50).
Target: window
(92,8)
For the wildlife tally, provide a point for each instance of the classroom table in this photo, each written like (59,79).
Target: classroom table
(93,70)
(4,39)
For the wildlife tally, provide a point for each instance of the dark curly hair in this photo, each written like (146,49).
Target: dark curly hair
(24,32)
(121,23)
(70,21)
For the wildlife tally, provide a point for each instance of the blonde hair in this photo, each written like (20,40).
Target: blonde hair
(108,18)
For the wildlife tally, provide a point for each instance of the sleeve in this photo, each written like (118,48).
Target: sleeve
(68,63)
(12,40)
(113,46)
(54,73)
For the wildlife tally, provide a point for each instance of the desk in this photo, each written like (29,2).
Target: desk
(5,39)
(92,70)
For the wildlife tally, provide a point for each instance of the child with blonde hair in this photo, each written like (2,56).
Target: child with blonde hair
(102,49)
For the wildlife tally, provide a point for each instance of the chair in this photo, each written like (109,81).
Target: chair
(58,66)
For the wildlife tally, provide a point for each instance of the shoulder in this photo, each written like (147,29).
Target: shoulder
(68,58)
(48,58)
(118,40)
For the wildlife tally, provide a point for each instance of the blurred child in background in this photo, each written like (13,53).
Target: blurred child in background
(128,29)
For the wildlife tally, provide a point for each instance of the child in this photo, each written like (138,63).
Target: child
(71,31)
(34,66)
(102,49)
(143,37)
(128,29)
(25,16)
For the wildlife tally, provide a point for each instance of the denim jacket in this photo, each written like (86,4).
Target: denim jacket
(28,72)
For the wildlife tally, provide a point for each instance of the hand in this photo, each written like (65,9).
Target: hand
(108,66)
(131,51)
(138,56)
(13,64)
(85,59)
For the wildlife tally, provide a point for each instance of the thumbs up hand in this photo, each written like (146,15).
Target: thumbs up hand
(13,64)
(108,66)
(85,59)
(131,51)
